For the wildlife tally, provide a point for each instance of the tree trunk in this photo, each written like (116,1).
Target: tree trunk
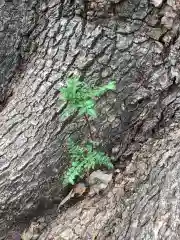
(142,203)
(42,43)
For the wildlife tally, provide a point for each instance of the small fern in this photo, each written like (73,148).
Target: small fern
(83,159)
(81,98)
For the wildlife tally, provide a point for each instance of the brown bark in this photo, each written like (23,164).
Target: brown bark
(130,41)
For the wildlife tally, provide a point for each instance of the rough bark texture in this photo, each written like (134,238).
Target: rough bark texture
(143,202)
(17,22)
(130,41)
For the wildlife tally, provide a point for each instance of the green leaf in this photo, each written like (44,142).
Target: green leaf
(71,180)
(92,113)
(74,164)
(86,158)
(111,85)
(80,97)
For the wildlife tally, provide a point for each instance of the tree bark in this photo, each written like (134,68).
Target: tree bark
(142,203)
(130,41)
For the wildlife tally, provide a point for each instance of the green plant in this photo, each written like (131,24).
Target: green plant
(83,159)
(80,98)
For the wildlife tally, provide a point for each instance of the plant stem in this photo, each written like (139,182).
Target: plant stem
(89,126)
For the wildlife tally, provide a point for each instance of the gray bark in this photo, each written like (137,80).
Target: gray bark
(130,41)
(17,21)
(141,204)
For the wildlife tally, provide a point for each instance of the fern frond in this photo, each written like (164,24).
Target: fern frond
(84,159)
(98,91)
(81,98)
